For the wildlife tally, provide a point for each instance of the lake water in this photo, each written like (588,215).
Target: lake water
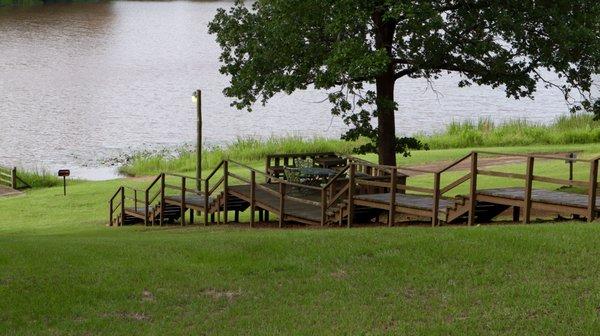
(80,83)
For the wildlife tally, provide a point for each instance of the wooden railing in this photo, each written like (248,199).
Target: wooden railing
(529,177)
(359,176)
(281,193)
(10,178)
(397,184)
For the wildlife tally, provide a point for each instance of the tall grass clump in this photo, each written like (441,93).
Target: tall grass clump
(39,178)
(572,129)
(243,149)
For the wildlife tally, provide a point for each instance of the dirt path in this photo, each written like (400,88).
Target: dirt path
(481,162)
(6,191)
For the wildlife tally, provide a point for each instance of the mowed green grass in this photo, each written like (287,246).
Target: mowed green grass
(63,272)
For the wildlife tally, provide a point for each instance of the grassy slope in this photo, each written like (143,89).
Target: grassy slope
(63,272)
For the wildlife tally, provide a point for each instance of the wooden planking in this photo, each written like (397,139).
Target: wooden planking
(540,195)
(191,200)
(268,201)
(421,202)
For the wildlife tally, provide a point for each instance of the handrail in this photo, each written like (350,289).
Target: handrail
(184,176)
(215,170)
(537,156)
(115,195)
(154,182)
(335,177)
(454,163)
(279,180)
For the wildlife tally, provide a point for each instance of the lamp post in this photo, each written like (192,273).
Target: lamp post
(198,100)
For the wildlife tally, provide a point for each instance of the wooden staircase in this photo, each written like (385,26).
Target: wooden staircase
(484,211)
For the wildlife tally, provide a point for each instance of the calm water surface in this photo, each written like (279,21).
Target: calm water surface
(81,83)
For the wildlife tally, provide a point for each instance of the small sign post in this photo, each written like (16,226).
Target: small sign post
(64,173)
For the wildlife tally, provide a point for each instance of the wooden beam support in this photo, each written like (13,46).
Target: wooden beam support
(162,199)
(528,190)
(436,200)
(225,190)
(351,195)
(591,210)
(281,203)
(392,209)
(252,196)
(183,209)
(205,202)
(473,189)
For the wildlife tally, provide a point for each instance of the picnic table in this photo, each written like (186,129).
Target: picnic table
(330,161)
(313,175)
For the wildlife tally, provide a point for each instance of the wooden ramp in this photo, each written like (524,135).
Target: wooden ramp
(421,206)
(550,201)
(293,209)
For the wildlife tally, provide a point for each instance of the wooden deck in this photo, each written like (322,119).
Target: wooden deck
(421,202)
(362,190)
(191,200)
(540,195)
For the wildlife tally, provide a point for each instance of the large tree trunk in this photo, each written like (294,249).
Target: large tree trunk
(386,124)
(386,128)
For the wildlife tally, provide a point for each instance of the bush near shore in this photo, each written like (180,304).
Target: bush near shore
(571,129)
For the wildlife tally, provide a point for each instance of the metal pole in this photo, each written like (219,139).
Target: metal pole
(198,96)
(64,186)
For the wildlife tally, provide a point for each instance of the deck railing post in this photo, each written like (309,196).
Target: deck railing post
(351,194)
(323,206)
(225,187)
(591,211)
(436,199)
(393,188)
(473,189)
(182,208)
(162,199)
(110,215)
(206,202)
(146,209)
(122,205)
(252,196)
(528,190)
(281,203)
(13,177)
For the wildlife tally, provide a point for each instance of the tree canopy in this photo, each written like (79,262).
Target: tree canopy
(357,49)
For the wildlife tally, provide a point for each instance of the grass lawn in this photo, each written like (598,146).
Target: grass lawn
(62,272)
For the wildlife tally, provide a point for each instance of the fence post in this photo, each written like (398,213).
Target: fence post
(591,213)
(225,187)
(528,190)
(473,189)
(252,196)
(351,194)
(182,208)
(13,178)
(436,200)
(162,199)
(281,203)
(122,205)
(392,210)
